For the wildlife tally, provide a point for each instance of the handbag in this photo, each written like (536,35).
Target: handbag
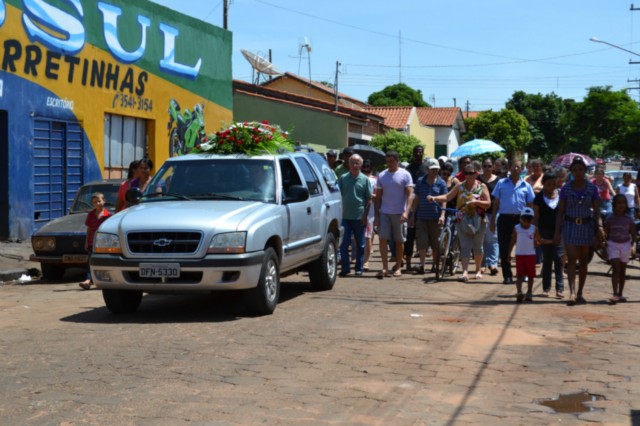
(470,224)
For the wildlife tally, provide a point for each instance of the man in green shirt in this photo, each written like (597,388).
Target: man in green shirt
(357,192)
(344,167)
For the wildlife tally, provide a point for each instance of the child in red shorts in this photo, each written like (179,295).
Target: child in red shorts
(525,240)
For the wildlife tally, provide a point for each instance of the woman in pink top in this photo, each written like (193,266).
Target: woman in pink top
(605,190)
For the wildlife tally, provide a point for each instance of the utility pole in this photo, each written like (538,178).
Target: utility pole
(225,14)
(400,57)
(335,86)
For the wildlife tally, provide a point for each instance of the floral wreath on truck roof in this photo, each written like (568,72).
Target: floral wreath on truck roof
(247,137)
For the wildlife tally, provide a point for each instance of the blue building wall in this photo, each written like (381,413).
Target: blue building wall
(18,98)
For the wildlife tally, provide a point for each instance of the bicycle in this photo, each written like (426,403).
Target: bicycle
(448,246)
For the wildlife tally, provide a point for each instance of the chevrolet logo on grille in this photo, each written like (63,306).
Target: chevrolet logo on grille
(162,242)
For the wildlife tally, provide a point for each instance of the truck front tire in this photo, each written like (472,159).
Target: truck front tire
(262,299)
(122,301)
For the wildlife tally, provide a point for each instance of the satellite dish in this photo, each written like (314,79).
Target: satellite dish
(259,65)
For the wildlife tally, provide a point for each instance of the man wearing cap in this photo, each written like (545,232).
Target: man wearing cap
(344,167)
(512,194)
(426,217)
(332,159)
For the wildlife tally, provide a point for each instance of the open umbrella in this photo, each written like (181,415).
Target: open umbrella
(475,147)
(565,160)
(367,152)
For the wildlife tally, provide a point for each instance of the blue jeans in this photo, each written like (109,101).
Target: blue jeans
(490,245)
(352,227)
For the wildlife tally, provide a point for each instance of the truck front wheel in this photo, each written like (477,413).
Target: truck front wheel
(263,299)
(122,301)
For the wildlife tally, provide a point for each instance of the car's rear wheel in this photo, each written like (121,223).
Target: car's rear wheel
(263,299)
(323,270)
(122,301)
(52,272)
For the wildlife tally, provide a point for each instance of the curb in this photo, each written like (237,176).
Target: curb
(12,274)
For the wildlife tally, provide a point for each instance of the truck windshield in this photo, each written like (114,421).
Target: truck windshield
(224,178)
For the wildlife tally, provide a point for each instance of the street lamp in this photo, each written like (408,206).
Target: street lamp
(597,40)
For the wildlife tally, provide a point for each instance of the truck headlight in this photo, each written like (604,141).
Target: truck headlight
(106,243)
(231,242)
(44,243)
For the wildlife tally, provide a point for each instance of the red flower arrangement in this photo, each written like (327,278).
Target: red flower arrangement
(248,137)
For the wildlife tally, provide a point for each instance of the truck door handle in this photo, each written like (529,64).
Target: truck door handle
(308,210)
(327,205)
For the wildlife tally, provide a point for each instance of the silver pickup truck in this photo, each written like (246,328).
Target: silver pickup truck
(222,222)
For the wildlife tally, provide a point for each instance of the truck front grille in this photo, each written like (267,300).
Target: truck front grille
(163,242)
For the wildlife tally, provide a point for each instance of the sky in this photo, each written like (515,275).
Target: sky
(469,53)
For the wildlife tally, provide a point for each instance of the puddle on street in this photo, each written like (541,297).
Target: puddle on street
(572,403)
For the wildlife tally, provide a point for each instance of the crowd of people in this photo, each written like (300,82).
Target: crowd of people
(550,217)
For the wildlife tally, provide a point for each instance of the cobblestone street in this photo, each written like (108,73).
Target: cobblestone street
(395,351)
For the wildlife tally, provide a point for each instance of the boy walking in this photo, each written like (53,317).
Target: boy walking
(94,219)
(525,240)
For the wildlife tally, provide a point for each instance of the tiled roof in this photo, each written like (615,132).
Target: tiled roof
(443,117)
(315,84)
(303,101)
(470,114)
(394,117)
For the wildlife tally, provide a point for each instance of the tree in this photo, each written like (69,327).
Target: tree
(328,84)
(506,127)
(544,114)
(397,95)
(394,140)
(604,122)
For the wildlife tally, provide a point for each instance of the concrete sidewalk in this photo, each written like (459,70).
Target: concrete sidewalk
(14,260)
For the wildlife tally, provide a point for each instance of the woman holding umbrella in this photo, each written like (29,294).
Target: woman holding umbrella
(578,209)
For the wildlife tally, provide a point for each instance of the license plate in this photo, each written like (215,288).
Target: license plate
(75,258)
(159,270)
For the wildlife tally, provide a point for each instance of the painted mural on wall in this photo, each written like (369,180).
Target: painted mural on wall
(80,65)
(117,56)
(186,128)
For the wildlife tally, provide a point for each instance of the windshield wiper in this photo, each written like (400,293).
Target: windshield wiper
(223,196)
(167,194)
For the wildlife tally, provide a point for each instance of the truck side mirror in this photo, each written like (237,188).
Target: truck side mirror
(133,195)
(296,194)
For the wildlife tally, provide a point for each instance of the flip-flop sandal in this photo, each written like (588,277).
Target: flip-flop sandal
(84,286)
(571,301)
(581,300)
(380,275)
(613,300)
(463,278)
(478,276)
(397,273)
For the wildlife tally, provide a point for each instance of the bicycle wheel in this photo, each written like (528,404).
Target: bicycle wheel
(443,253)
(454,254)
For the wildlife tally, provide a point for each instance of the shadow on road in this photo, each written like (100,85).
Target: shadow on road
(207,307)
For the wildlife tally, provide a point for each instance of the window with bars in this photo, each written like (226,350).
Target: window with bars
(125,140)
